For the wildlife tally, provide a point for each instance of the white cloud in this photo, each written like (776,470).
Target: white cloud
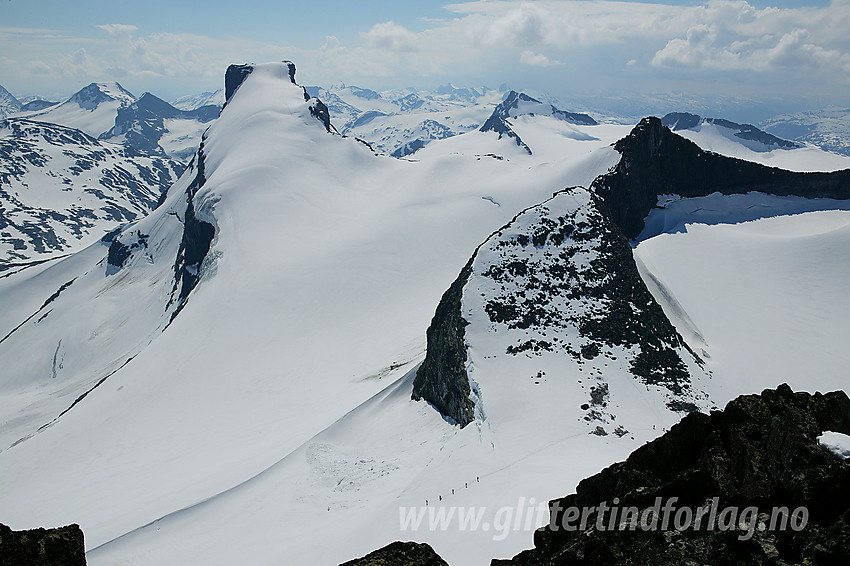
(485,41)
(391,36)
(529,57)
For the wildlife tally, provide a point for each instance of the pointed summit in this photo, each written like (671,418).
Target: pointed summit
(518,104)
(95,94)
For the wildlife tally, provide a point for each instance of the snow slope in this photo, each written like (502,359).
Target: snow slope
(712,137)
(324,271)
(271,420)
(764,299)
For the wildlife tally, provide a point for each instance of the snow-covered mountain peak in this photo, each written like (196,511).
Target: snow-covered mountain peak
(8,103)
(269,87)
(95,94)
(193,102)
(518,104)
(236,74)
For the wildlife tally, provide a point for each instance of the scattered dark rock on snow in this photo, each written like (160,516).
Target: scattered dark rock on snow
(655,161)
(534,267)
(760,451)
(63,546)
(400,554)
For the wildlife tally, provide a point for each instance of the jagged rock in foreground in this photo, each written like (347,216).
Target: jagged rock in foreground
(656,162)
(554,291)
(761,451)
(62,546)
(400,554)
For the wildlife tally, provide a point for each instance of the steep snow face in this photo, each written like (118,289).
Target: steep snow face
(61,189)
(92,109)
(761,299)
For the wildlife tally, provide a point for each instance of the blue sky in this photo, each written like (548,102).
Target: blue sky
(792,53)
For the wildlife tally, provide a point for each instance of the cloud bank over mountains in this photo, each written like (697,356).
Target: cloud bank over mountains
(552,44)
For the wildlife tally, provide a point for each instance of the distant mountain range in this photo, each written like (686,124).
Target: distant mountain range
(828,128)
(61,189)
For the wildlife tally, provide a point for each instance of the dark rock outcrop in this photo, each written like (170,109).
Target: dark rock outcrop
(195,243)
(234,76)
(63,546)
(442,379)
(655,161)
(400,554)
(760,452)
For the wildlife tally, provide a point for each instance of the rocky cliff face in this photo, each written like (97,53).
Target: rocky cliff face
(760,452)
(63,546)
(557,282)
(656,162)
(400,554)
(442,379)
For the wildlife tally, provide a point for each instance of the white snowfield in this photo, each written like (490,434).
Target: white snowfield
(271,421)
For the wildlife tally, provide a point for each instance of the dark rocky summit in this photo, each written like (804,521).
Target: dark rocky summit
(400,554)
(655,161)
(760,452)
(63,546)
